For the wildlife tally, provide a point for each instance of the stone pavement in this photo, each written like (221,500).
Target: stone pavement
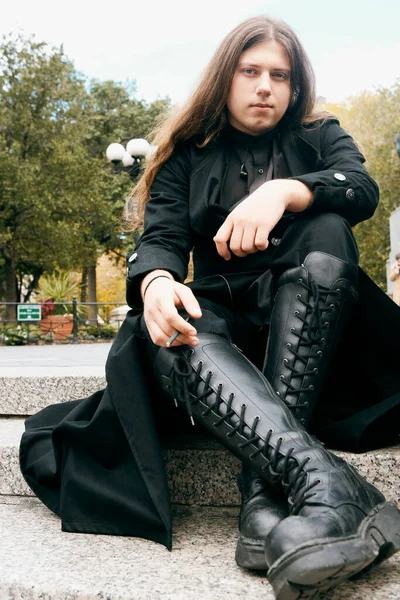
(53,359)
(40,562)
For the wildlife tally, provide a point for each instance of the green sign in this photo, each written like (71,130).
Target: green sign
(29,312)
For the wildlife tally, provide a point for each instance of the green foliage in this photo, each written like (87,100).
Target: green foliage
(373,119)
(20,335)
(59,288)
(60,203)
(104,331)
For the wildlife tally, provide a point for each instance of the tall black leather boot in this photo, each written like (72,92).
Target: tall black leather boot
(262,507)
(341,523)
(311,308)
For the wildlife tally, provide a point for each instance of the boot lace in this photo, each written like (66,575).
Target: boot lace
(281,467)
(310,335)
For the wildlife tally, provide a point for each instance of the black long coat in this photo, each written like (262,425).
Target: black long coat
(97,462)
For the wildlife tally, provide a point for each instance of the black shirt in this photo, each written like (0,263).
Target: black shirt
(247,154)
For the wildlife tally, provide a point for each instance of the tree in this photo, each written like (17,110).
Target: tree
(40,100)
(373,119)
(59,201)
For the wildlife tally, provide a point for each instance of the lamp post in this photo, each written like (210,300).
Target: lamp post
(129,159)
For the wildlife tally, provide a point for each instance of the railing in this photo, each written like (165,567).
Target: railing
(60,322)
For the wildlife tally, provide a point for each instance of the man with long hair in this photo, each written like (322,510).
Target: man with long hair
(265,191)
(262,191)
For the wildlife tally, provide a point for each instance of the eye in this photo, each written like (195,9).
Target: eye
(249,71)
(279,75)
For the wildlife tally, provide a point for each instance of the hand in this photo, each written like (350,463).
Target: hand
(248,226)
(161,315)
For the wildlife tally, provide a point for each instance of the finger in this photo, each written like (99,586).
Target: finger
(161,334)
(235,243)
(221,239)
(261,238)
(248,240)
(189,302)
(158,336)
(171,321)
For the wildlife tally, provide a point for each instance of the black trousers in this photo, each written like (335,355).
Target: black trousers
(237,306)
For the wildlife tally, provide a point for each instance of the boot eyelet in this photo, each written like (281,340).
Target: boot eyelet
(296,313)
(285,361)
(326,325)
(215,424)
(311,387)
(323,340)
(229,434)
(288,345)
(319,353)
(306,404)
(302,421)
(318,481)
(299,280)
(277,393)
(316,371)
(210,373)
(292,329)
(308,458)
(298,296)
(273,431)
(192,351)
(281,439)
(281,377)
(332,306)
(338,291)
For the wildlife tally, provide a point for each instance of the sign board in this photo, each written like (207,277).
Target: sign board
(29,312)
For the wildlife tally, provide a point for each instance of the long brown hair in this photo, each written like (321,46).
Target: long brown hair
(204,114)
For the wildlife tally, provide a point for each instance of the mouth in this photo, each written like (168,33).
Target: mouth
(261,106)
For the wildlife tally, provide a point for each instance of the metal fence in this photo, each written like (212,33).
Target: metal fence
(59,322)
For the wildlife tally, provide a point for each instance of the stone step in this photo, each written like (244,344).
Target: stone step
(33,377)
(200,471)
(40,562)
(26,395)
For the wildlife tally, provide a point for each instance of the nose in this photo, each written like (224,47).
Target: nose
(264,84)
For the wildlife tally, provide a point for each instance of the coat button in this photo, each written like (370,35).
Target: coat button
(340,176)
(132,257)
(350,194)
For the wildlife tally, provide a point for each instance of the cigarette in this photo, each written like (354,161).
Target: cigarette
(175,335)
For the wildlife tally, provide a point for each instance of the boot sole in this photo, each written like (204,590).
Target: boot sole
(311,570)
(250,554)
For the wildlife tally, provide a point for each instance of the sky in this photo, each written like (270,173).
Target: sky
(164,45)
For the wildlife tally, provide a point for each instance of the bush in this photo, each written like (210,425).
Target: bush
(19,335)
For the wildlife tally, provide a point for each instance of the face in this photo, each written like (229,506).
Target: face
(260,92)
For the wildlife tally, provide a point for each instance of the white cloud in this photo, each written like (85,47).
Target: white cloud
(349,70)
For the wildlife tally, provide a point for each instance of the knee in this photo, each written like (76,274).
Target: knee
(331,224)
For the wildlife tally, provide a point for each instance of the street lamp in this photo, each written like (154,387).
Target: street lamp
(129,159)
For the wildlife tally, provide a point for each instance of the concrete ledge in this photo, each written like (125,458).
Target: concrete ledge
(39,562)
(200,471)
(27,395)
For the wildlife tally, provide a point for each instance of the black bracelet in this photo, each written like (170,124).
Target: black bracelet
(151,281)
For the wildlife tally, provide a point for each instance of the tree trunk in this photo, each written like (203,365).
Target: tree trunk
(11,290)
(84,284)
(92,294)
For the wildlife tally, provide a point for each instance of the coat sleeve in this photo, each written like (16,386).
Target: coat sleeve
(166,239)
(341,183)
